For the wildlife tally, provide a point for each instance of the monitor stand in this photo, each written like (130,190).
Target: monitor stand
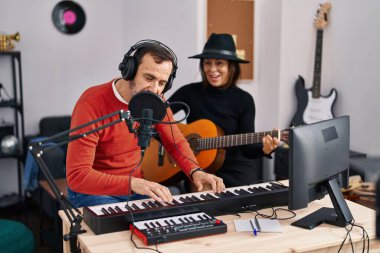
(340,215)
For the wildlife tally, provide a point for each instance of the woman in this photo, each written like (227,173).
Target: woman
(218,99)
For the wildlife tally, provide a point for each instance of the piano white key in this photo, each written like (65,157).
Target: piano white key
(176,219)
(98,209)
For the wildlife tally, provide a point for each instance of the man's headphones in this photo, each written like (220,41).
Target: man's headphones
(129,65)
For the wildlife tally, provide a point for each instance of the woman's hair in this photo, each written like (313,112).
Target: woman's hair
(233,74)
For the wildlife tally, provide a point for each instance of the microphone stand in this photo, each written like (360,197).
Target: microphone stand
(38,149)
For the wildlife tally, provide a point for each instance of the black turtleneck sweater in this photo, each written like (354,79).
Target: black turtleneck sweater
(233,110)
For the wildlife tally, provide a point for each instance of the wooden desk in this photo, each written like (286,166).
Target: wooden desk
(324,238)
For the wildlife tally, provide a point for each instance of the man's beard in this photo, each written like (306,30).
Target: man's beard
(132,85)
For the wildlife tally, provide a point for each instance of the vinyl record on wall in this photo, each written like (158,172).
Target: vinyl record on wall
(68,17)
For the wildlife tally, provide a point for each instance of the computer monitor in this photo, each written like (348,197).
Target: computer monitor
(319,165)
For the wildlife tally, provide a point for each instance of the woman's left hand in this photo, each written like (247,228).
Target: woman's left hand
(269,144)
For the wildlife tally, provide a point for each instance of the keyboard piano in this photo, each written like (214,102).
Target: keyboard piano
(117,217)
(177,228)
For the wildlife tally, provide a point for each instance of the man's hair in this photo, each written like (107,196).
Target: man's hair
(158,52)
(233,74)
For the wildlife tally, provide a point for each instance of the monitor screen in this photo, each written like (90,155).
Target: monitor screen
(319,165)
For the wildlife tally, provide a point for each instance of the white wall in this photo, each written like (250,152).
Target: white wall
(58,67)
(349,63)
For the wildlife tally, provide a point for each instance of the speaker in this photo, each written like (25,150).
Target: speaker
(129,65)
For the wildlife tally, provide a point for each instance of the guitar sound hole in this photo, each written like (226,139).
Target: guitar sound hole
(193,141)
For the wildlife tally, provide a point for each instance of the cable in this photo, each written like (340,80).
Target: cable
(175,144)
(365,237)
(131,213)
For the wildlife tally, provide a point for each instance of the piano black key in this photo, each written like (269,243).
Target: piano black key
(193,197)
(146,225)
(192,219)
(110,209)
(158,203)
(243,192)
(152,224)
(158,224)
(173,222)
(176,202)
(270,187)
(187,220)
(128,208)
(144,204)
(167,222)
(118,209)
(200,217)
(181,220)
(262,189)
(189,199)
(134,206)
(203,196)
(278,186)
(206,217)
(210,196)
(183,200)
(256,190)
(229,194)
(150,203)
(221,195)
(105,211)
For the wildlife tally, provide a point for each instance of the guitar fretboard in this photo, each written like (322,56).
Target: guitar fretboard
(316,88)
(233,140)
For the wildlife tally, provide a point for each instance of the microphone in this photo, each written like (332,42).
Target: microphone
(145,131)
(148,109)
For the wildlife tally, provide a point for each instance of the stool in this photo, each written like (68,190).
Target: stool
(367,167)
(15,237)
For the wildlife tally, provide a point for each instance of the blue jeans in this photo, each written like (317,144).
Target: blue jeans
(80,199)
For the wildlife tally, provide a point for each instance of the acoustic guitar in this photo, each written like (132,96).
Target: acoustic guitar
(207,142)
(313,107)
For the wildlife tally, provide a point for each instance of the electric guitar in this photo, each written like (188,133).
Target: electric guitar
(313,107)
(207,142)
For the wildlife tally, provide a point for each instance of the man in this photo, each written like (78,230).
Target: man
(105,166)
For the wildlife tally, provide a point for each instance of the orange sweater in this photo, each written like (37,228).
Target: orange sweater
(100,163)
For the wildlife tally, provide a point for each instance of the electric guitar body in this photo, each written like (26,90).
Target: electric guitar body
(311,106)
(311,109)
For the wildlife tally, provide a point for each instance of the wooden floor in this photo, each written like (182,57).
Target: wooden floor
(28,213)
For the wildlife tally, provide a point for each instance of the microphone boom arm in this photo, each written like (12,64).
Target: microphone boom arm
(37,149)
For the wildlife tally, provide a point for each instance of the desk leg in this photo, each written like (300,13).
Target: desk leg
(66,245)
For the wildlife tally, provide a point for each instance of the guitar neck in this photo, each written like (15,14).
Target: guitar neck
(234,140)
(316,88)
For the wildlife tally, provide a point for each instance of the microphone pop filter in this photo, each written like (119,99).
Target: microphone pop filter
(147,100)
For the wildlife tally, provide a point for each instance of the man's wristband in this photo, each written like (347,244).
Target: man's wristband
(191,173)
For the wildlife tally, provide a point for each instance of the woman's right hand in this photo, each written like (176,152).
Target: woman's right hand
(154,190)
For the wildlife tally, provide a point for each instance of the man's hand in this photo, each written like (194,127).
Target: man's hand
(154,190)
(201,177)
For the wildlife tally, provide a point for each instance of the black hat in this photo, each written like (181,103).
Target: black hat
(220,46)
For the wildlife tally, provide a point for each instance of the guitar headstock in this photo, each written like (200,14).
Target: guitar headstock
(284,135)
(321,20)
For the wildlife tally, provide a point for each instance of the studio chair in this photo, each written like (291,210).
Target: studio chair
(15,237)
